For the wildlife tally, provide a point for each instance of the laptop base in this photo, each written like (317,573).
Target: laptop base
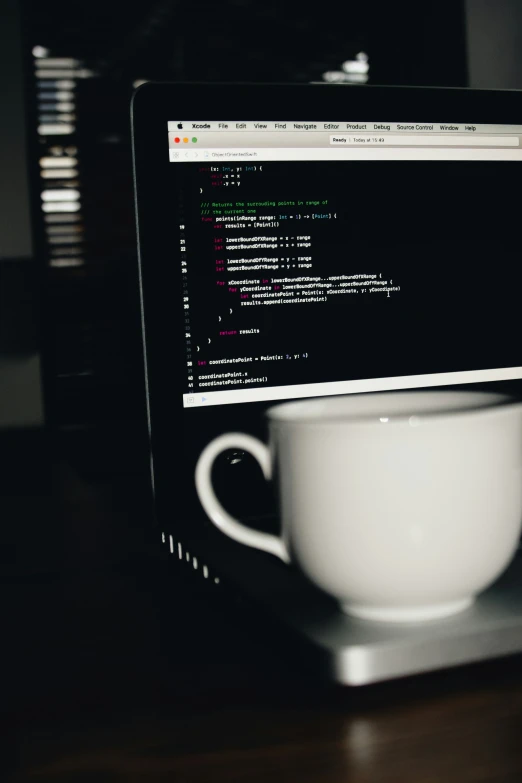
(349,650)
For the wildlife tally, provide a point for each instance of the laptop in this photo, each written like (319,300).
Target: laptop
(298,241)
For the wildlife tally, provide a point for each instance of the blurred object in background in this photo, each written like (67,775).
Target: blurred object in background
(24,477)
(494,43)
(21,399)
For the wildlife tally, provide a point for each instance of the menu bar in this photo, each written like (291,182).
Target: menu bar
(189,128)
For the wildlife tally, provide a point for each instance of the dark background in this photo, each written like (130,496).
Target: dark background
(92,621)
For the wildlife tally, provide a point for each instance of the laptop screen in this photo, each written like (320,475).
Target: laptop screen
(321,258)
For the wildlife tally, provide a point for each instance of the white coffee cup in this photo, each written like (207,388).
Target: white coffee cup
(403,506)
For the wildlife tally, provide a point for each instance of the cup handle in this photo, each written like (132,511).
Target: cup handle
(222,520)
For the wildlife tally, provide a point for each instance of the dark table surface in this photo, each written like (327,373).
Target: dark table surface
(118,670)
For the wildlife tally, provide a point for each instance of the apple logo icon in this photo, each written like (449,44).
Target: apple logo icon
(180,125)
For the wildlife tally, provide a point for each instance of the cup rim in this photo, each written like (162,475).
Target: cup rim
(301,412)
